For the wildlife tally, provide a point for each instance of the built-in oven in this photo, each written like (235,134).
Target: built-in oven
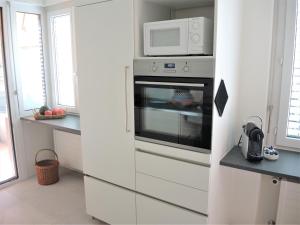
(174,102)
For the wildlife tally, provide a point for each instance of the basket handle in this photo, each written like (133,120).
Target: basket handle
(44,150)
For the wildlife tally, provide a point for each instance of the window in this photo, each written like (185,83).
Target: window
(289,115)
(64,82)
(30,61)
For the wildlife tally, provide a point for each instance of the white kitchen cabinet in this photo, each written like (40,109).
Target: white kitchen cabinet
(175,153)
(105,51)
(109,203)
(181,195)
(182,183)
(180,172)
(68,149)
(152,211)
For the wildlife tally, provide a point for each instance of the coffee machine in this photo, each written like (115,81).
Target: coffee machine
(252,141)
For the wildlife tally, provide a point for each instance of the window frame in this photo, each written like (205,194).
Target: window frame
(31,9)
(287,76)
(53,75)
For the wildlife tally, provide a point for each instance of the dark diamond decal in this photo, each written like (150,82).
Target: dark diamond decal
(221,98)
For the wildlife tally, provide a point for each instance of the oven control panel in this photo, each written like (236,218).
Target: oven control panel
(169,67)
(175,67)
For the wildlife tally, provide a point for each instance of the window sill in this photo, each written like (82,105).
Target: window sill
(71,123)
(287,166)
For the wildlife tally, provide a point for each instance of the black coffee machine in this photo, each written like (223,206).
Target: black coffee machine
(252,141)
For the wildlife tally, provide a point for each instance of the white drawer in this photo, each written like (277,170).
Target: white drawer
(151,211)
(68,148)
(177,153)
(189,174)
(178,194)
(109,203)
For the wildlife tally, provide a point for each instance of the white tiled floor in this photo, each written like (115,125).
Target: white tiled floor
(29,203)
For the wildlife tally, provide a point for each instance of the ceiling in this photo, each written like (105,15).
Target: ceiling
(42,2)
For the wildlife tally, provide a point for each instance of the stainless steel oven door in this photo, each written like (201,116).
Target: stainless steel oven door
(174,111)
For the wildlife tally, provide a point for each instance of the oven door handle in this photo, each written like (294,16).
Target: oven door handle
(170,84)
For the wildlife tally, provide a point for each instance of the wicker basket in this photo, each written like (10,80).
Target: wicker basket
(47,170)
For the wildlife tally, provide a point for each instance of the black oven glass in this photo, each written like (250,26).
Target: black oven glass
(174,110)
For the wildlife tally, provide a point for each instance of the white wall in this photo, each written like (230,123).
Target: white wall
(54,2)
(228,20)
(35,137)
(256,51)
(59,6)
(256,58)
(243,53)
(32,2)
(44,3)
(207,11)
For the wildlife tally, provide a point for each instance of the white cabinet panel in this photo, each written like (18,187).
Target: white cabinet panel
(87,2)
(181,195)
(184,173)
(109,203)
(105,50)
(289,203)
(68,149)
(151,211)
(190,156)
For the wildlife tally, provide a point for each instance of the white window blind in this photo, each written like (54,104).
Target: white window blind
(293,128)
(30,60)
(62,60)
(288,127)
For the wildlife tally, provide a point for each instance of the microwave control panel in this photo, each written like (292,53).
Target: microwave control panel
(175,67)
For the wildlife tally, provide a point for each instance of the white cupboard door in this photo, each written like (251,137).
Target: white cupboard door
(105,50)
(109,203)
(152,211)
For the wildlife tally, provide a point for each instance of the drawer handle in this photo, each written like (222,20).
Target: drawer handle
(171,157)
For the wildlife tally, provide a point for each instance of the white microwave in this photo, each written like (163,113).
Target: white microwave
(193,36)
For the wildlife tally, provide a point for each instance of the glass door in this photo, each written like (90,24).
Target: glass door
(174,111)
(7,154)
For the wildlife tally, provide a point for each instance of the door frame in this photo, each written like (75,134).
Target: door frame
(4,8)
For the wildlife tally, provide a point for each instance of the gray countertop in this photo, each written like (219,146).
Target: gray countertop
(69,124)
(287,166)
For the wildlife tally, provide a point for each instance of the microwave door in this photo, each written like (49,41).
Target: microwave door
(166,38)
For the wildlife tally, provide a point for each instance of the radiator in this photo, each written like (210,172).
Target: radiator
(289,203)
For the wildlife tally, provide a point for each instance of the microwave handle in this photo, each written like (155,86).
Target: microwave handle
(126,99)
(170,84)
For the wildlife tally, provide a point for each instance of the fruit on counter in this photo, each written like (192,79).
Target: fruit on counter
(58,112)
(61,112)
(43,109)
(54,111)
(48,113)
(44,113)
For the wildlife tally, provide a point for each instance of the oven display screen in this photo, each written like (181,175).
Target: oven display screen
(170,66)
